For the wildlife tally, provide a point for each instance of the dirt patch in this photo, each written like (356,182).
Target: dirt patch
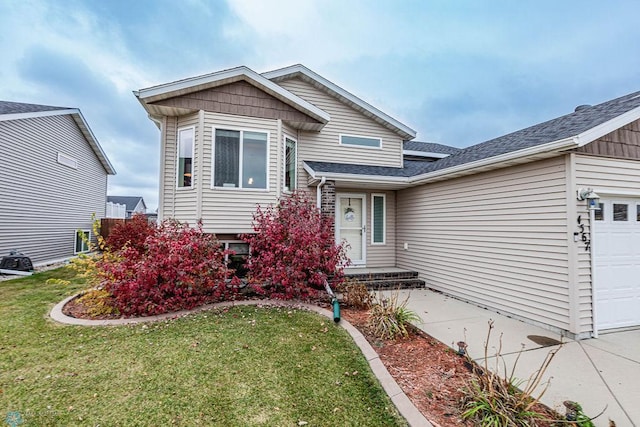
(75,308)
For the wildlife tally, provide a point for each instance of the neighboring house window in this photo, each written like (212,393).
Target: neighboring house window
(82,241)
(290,164)
(378,204)
(185,157)
(361,141)
(240,159)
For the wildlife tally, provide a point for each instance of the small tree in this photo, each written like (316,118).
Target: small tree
(293,250)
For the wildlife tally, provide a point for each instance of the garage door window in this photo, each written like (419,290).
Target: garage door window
(620,212)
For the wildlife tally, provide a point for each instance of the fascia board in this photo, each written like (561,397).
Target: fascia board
(93,141)
(424,154)
(561,144)
(605,128)
(340,91)
(20,116)
(353,177)
(161,91)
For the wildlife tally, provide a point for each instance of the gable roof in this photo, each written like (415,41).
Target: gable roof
(302,72)
(543,140)
(19,110)
(130,201)
(195,84)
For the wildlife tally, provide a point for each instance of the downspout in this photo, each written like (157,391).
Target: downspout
(318,192)
(594,311)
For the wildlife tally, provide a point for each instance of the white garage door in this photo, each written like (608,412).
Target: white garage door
(617,262)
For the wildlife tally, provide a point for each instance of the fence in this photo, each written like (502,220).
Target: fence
(107,224)
(116,210)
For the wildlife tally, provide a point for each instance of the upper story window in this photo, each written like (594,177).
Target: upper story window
(185,157)
(290,164)
(360,141)
(240,159)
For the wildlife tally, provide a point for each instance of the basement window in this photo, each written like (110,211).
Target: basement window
(82,241)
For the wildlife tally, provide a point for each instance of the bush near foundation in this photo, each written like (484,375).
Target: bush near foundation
(133,232)
(293,250)
(179,267)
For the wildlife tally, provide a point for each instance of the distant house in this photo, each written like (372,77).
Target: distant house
(512,224)
(134,204)
(53,177)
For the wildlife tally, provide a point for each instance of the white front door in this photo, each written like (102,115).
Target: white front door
(616,246)
(351,214)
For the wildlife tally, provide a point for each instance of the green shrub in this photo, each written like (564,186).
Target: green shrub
(389,318)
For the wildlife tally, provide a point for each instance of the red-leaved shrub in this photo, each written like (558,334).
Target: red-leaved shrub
(293,250)
(180,268)
(133,232)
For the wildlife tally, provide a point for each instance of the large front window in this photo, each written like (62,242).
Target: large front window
(240,159)
(185,157)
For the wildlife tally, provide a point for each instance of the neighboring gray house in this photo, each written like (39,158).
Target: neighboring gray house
(499,223)
(53,177)
(134,204)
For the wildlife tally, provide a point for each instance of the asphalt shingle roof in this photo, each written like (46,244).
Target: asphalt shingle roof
(8,107)
(567,126)
(429,147)
(130,201)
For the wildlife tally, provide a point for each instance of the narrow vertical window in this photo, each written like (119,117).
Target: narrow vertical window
(226,164)
(378,219)
(290,167)
(254,154)
(185,157)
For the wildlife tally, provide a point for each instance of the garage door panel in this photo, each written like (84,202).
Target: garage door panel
(617,264)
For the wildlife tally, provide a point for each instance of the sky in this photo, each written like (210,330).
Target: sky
(458,72)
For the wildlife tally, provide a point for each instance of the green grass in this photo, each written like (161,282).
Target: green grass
(243,367)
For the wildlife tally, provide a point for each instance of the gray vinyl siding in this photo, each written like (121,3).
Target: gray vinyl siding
(609,177)
(43,203)
(324,146)
(498,239)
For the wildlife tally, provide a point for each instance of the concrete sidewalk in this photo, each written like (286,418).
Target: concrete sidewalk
(597,373)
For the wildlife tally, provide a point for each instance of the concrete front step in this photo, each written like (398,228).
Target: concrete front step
(387,280)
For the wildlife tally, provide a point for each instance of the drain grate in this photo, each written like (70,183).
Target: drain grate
(543,341)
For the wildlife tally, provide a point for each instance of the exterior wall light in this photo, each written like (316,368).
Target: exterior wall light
(590,196)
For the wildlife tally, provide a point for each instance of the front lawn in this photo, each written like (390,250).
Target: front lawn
(246,366)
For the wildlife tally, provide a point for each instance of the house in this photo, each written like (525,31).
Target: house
(504,224)
(53,178)
(134,204)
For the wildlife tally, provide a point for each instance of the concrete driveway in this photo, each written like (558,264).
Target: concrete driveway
(598,373)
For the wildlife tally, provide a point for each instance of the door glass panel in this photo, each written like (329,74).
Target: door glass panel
(620,212)
(637,212)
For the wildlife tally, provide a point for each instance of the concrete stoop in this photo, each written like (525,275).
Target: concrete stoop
(388,280)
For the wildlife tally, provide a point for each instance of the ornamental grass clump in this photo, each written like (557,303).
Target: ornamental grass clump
(389,319)
(492,400)
(293,249)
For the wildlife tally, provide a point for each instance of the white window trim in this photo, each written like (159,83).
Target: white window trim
(226,246)
(284,169)
(193,163)
(384,219)
(68,161)
(213,157)
(75,237)
(359,146)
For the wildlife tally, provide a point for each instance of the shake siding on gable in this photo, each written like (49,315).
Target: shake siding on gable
(43,203)
(324,146)
(498,239)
